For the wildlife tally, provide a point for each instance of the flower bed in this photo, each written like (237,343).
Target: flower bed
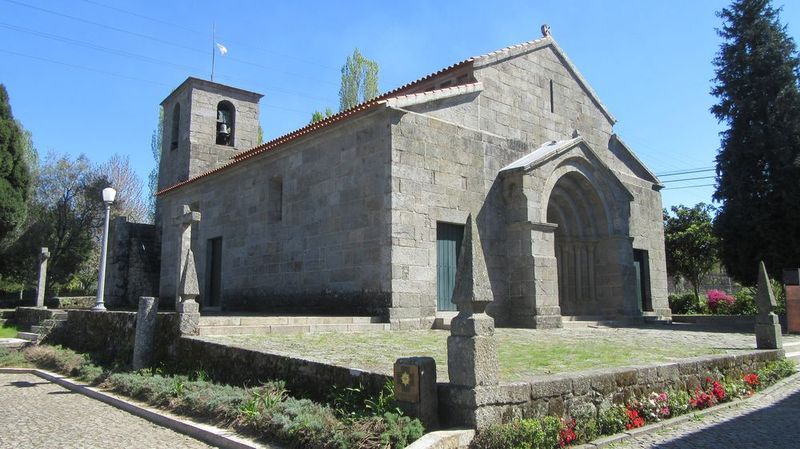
(551,432)
(352,420)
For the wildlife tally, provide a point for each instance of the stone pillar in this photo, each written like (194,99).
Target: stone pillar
(533,275)
(791,282)
(44,254)
(471,347)
(187,286)
(145,332)
(415,389)
(768,329)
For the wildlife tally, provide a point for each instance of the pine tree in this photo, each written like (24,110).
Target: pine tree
(758,165)
(14,172)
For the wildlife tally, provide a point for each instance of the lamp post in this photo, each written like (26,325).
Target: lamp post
(108,197)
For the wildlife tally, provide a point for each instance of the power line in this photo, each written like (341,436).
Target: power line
(101,48)
(140,57)
(690,179)
(687,171)
(75,66)
(690,187)
(191,30)
(159,40)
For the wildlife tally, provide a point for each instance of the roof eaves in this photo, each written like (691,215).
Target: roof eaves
(433,95)
(653,178)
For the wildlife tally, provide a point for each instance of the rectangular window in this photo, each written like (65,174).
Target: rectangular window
(275,200)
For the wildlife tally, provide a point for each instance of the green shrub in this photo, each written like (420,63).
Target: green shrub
(612,420)
(776,370)
(522,434)
(400,430)
(745,303)
(14,359)
(684,303)
(678,402)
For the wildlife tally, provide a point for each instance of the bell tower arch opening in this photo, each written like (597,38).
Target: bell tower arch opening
(579,210)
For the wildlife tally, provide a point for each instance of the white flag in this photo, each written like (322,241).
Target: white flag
(222,49)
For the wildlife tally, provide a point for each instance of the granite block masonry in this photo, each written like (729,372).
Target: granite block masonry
(348,215)
(768,329)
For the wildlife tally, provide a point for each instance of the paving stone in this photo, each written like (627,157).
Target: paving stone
(41,414)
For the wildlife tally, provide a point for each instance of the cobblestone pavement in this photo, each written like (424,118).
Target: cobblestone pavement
(766,421)
(40,414)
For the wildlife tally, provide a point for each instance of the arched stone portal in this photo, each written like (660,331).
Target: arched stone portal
(582,233)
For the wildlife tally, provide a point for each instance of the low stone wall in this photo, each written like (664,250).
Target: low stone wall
(587,393)
(109,336)
(70,302)
(25,317)
(240,366)
(745,323)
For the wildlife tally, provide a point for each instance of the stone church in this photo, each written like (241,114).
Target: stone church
(364,212)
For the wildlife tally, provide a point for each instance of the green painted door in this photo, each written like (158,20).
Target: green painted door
(448,248)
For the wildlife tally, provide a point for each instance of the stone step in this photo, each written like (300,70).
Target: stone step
(795,356)
(13,343)
(284,320)
(30,336)
(291,328)
(39,329)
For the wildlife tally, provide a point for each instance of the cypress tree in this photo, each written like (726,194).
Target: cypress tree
(14,172)
(758,165)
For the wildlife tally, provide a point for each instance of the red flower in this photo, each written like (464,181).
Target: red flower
(752,380)
(634,420)
(567,433)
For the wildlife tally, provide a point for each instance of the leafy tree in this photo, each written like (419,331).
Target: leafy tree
(66,216)
(758,166)
(319,116)
(359,81)
(130,202)
(690,243)
(14,172)
(152,179)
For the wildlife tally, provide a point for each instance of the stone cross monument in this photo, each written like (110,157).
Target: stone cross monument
(187,289)
(768,329)
(471,347)
(44,254)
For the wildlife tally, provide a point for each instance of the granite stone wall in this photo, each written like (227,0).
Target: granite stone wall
(109,336)
(588,393)
(134,257)
(307,224)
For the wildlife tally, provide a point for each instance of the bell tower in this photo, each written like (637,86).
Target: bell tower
(205,124)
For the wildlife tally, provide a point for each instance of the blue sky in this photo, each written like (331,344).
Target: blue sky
(86,76)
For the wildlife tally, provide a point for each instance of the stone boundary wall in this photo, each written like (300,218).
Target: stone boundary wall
(744,323)
(239,366)
(587,393)
(26,317)
(109,336)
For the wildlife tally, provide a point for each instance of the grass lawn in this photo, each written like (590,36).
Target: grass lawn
(8,331)
(522,352)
